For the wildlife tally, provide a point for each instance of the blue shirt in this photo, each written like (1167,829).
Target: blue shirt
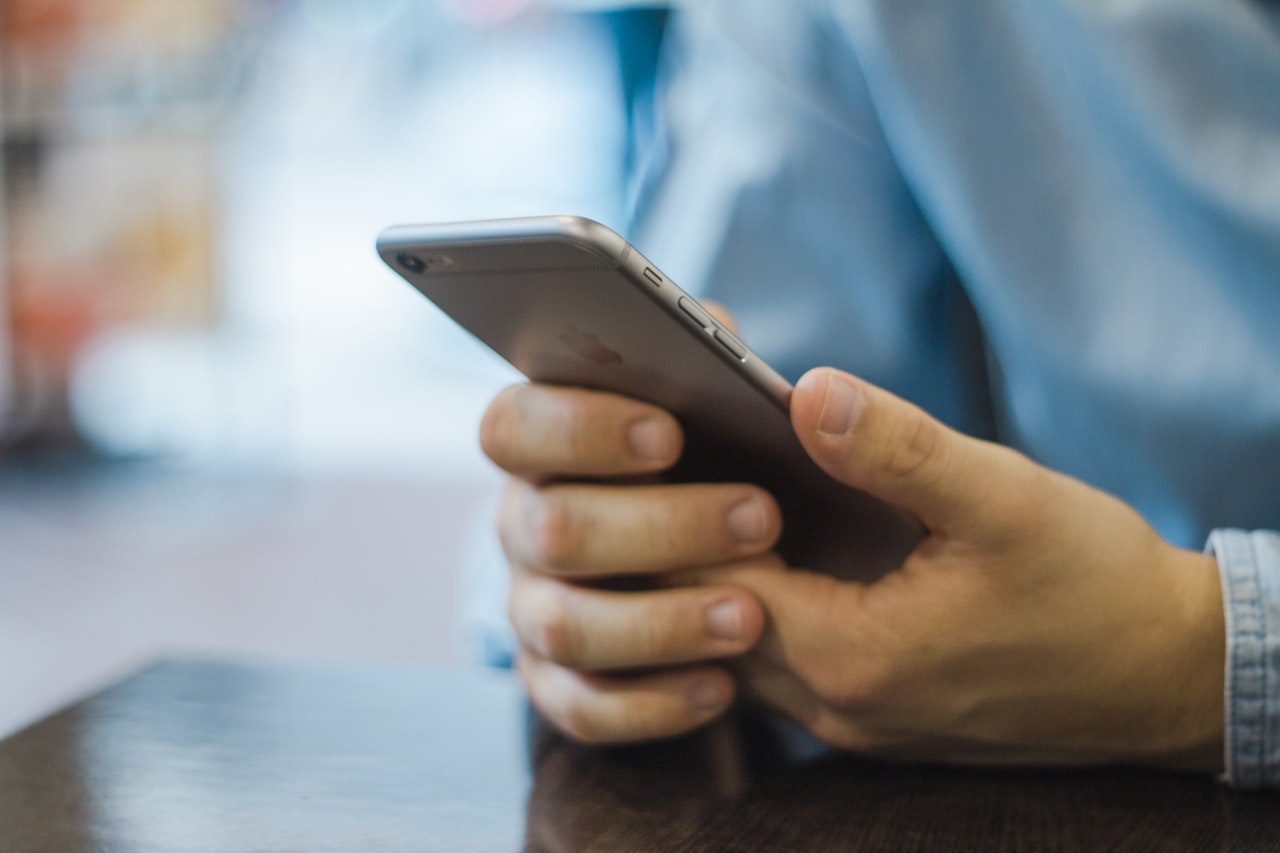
(1052,223)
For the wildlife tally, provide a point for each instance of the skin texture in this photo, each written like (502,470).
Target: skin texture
(1039,621)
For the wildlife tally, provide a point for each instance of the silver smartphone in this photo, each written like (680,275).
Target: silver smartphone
(569,302)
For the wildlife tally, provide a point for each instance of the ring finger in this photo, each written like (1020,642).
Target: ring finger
(594,629)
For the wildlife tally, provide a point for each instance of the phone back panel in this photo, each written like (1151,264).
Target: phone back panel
(568,302)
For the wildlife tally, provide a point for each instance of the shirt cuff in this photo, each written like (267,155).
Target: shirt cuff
(1249,563)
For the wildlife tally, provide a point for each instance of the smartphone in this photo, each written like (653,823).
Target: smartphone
(569,302)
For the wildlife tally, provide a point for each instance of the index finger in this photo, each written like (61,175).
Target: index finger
(545,431)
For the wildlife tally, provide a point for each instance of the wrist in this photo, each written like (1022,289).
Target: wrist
(1196,694)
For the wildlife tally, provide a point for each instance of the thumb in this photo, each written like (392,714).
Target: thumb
(868,438)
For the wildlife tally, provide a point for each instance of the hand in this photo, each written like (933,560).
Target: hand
(1040,621)
(582,514)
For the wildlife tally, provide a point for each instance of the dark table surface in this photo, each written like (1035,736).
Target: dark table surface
(191,755)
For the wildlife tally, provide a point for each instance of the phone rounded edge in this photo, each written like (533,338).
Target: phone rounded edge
(588,234)
(668,294)
(594,236)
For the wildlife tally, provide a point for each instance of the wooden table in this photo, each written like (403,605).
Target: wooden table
(195,756)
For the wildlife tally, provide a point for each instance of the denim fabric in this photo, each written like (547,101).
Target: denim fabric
(1250,564)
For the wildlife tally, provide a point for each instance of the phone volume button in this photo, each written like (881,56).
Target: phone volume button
(652,274)
(699,316)
(731,343)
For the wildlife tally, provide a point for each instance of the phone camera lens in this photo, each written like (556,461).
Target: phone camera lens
(412,263)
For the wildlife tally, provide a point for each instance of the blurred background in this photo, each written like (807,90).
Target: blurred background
(224,427)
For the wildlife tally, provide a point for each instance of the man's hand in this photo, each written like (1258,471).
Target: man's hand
(581,517)
(1040,621)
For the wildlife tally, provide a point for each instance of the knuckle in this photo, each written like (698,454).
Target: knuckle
(555,533)
(580,428)
(854,676)
(508,520)
(567,708)
(579,722)
(916,447)
(860,690)
(659,531)
(576,433)
(555,633)
(651,639)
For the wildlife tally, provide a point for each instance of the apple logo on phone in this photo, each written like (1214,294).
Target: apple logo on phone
(588,346)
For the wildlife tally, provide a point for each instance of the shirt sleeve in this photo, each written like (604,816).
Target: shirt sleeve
(1250,567)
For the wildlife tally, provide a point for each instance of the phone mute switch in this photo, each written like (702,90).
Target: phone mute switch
(731,343)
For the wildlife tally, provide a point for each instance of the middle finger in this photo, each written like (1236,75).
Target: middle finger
(587,530)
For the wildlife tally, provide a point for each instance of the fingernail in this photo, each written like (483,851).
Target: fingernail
(724,620)
(650,439)
(709,695)
(840,407)
(747,521)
